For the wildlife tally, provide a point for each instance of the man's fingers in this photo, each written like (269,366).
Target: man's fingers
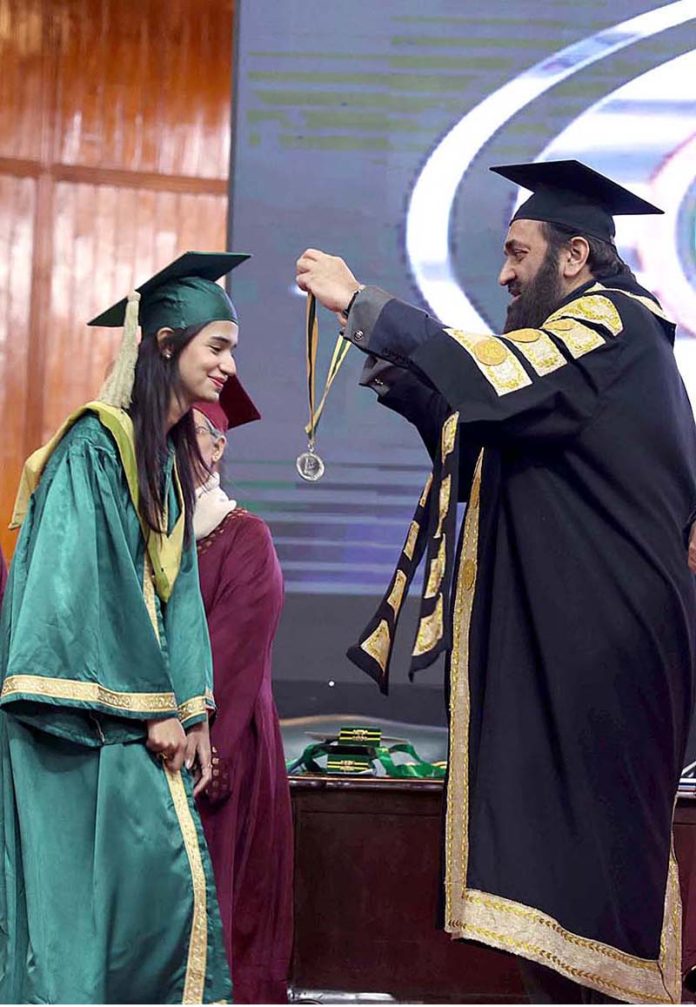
(309,258)
(305,262)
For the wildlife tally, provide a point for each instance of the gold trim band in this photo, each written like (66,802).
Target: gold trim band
(457,820)
(194,984)
(532,934)
(511,926)
(87,692)
(194,707)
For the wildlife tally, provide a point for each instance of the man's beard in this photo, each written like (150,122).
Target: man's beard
(538,298)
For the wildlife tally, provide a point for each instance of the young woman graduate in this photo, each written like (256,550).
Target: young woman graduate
(246,809)
(106,890)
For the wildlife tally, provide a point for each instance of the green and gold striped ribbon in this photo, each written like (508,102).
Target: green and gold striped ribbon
(339,355)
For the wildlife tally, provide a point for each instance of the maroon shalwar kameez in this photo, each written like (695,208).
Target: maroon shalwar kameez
(250,833)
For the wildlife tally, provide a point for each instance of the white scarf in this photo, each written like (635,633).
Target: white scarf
(212,505)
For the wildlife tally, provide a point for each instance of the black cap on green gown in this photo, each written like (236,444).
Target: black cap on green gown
(571,194)
(183,293)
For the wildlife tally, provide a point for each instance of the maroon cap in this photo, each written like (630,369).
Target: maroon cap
(234,408)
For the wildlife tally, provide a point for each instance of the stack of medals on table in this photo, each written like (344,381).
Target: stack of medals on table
(354,750)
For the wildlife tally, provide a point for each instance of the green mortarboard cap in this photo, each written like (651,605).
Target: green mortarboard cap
(573,195)
(184,293)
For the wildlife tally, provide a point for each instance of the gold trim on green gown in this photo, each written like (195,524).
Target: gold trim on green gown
(106,890)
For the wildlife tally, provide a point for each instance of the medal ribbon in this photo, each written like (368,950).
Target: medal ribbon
(339,355)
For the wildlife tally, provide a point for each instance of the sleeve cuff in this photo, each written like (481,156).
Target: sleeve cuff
(363,315)
(379,375)
(195,709)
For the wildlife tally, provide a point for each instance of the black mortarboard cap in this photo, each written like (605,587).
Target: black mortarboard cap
(184,293)
(571,194)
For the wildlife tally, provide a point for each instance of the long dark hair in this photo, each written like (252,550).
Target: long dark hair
(157,380)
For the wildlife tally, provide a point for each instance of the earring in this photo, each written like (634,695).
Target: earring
(167,354)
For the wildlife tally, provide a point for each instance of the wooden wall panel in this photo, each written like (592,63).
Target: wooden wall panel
(22,27)
(17,206)
(107,239)
(114,145)
(144,86)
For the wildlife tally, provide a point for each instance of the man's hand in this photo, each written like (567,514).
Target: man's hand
(167,739)
(198,756)
(327,277)
(692,548)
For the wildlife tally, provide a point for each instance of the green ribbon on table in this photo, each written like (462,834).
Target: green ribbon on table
(418,769)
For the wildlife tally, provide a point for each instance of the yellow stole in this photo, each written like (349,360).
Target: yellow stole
(163,549)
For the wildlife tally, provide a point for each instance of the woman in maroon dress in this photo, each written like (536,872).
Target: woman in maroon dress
(246,810)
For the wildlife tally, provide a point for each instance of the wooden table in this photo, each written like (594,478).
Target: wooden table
(366,888)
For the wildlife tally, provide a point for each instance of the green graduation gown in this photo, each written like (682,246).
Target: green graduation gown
(106,891)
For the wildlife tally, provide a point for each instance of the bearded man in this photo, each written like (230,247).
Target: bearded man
(571,629)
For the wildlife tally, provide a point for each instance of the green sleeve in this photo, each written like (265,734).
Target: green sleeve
(77,629)
(188,643)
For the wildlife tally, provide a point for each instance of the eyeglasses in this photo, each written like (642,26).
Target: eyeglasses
(215,434)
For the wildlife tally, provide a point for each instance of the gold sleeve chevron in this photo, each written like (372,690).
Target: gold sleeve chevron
(396,595)
(593,308)
(647,302)
(410,544)
(499,366)
(378,644)
(437,570)
(581,326)
(430,630)
(444,504)
(449,434)
(538,348)
(573,324)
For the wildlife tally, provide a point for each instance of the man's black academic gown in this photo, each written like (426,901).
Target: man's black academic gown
(571,629)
